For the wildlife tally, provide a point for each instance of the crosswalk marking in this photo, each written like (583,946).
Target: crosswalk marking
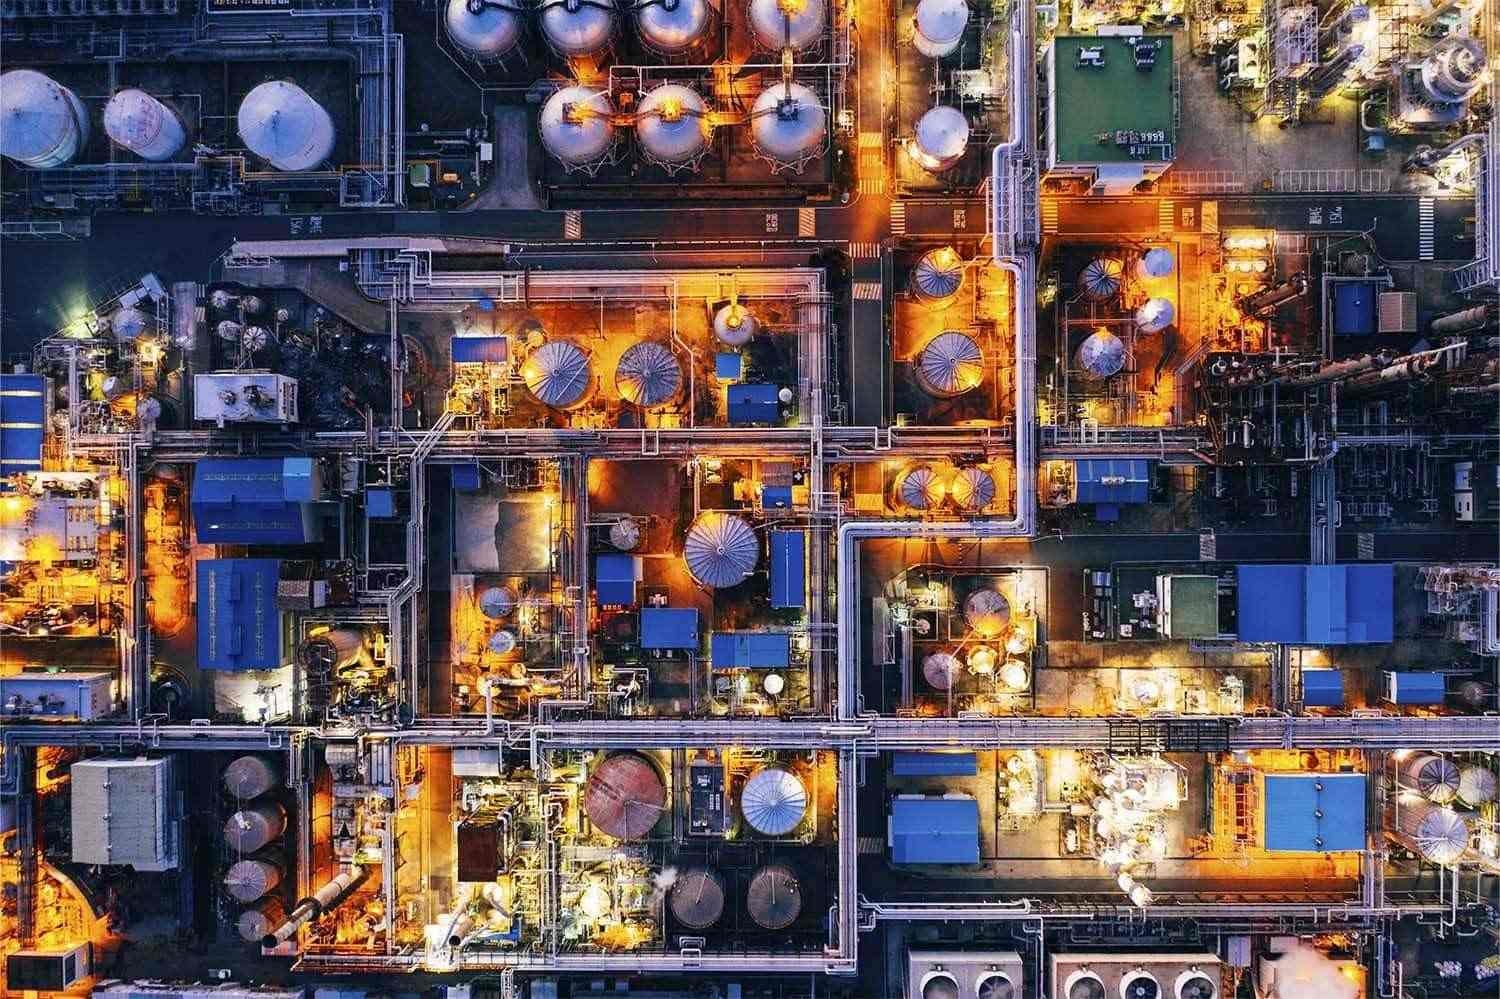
(1166,215)
(807,223)
(1427,229)
(572,225)
(872,181)
(898,218)
(866,291)
(1049,215)
(864,251)
(870,140)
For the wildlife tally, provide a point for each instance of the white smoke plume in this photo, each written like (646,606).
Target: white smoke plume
(1307,973)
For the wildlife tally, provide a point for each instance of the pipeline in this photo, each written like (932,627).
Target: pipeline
(325,899)
(1465,319)
(1402,369)
(1264,301)
(1334,370)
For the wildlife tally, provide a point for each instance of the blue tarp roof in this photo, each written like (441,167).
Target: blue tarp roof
(751,649)
(1416,688)
(1322,688)
(1319,813)
(239,626)
(1316,604)
(614,579)
(1104,480)
(480,349)
(22,422)
(669,628)
(788,568)
(1354,308)
(912,763)
(934,831)
(254,501)
(752,404)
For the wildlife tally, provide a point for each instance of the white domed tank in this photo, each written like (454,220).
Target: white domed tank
(720,550)
(558,374)
(129,324)
(283,125)
(940,670)
(42,123)
(576,128)
(1102,355)
(987,612)
(1156,263)
(1477,785)
(939,26)
(136,121)
(672,27)
(787,124)
(773,801)
(783,24)
(735,325)
(939,274)
(919,487)
(1432,776)
(648,374)
(973,488)
(484,30)
(578,27)
(1155,315)
(1139,984)
(672,125)
(941,140)
(950,365)
(1439,834)
(1101,278)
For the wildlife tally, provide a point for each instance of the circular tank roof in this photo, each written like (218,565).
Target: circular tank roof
(497,602)
(1436,777)
(697,898)
(996,986)
(575,125)
(128,323)
(973,488)
(920,488)
(671,27)
(1101,278)
(672,124)
(787,122)
(484,29)
(1477,785)
(1155,315)
(279,122)
(987,612)
(942,137)
(648,374)
(774,801)
(940,670)
(950,365)
(939,273)
(794,24)
(142,124)
(624,796)
(42,123)
(578,27)
(940,987)
(939,26)
(558,374)
(721,550)
(734,325)
(1441,835)
(1101,355)
(774,897)
(1157,262)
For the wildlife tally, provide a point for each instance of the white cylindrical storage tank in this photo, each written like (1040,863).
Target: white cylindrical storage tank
(42,123)
(1195,983)
(949,365)
(283,125)
(129,324)
(783,24)
(648,374)
(941,140)
(1101,278)
(1140,983)
(1155,263)
(578,27)
(1155,315)
(787,124)
(973,488)
(919,487)
(1102,355)
(735,325)
(248,880)
(136,121)
(672,27)
(575,126)
(721,550)
(672,125)
(255,827)
(558,374)
(1439,834)
(1432,776)
(249,777)
(773,801)
(1477,785)
(938,274)
(483,30)
(939,26)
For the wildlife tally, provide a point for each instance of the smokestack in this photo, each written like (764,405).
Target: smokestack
(326,898)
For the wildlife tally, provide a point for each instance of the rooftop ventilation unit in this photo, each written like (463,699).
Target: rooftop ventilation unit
(1135,976)
(965,975)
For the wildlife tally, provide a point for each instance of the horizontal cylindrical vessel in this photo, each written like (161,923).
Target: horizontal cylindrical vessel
(42,123)
(144,125)
(281,123)
(255,826)
(325,898)
(249,777)
(248,880)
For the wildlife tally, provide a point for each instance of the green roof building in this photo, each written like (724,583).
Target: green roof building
(1110,110)
(1188,605)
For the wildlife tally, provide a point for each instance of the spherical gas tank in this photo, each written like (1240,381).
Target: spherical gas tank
(794,24)
(578,27)
(1155,315)
(1101,355)
(672,27)
(575,126)
(787,124)
(136,121)
(484,30)
(672,124)
(939,26)
(281,123)
(42,123)
(942,139)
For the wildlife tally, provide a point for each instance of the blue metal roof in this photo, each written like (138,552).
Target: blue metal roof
(669,628)
(1322,688)
(776,497)
(239,626)
(1105,480)
(788,568)
(1354,308)
(254,500)
(23,421)
(1320,813)
(751,649)
(1316,604)
(934,831)
(466,477)
(753,404)
(912,763)
(614,579)
(380,502)
(1416,688)
(729,365)
(480,349)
